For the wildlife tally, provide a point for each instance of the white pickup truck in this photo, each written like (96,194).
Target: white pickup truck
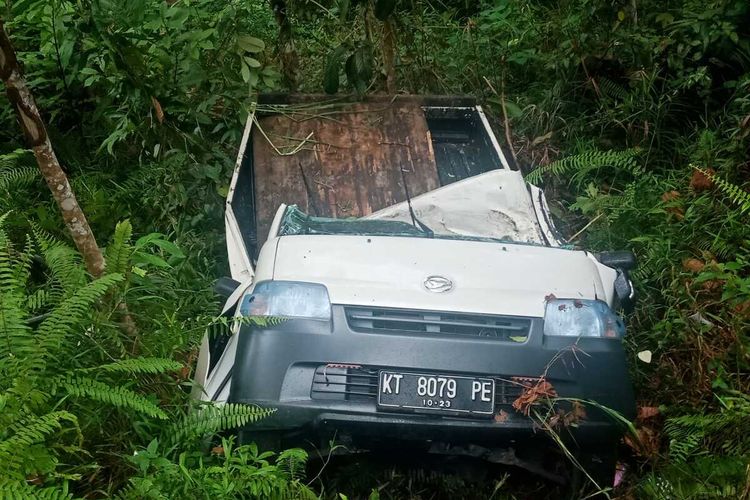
(423,286)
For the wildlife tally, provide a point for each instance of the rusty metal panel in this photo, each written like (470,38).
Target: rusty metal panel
(343,161)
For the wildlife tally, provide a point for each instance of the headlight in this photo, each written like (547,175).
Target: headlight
(581,318)
(287,299)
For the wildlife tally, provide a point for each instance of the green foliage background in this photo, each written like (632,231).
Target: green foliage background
(615,107)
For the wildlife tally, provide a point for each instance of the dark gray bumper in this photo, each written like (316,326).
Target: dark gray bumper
(276,366)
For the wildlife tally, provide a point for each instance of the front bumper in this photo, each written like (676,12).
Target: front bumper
(303,368)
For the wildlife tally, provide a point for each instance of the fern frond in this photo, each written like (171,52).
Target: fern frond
(66,319)
(13,179)
(735,193)
(724,432)
(22,490)
(63,261)
(135,366)
(612,89)
(293,463)
(23,157)
(26,433)
(211,419)
(119,252)
(113,395)
(17,345)
(224,325)
(37,300)
(587,161)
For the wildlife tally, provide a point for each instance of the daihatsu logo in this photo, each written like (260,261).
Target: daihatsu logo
(437,284)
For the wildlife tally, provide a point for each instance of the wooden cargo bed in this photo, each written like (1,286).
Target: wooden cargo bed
(350,159)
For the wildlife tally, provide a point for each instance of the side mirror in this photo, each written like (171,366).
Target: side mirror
(622,260)
(624,291)
(225,286)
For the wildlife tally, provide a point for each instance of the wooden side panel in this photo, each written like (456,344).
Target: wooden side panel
(342,164)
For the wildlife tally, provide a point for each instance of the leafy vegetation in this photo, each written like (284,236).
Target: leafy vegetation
(635,116)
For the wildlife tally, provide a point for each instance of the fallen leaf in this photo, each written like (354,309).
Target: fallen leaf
(501,417)
(670,196)
(157,108)
(217,450)
(693,265)
(646,444)
(645,356)
(533,393)
(674,208)
(713,285)
(700,181)
(646,412)
(743,309)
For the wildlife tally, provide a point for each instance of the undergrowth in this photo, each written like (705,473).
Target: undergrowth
(634,116)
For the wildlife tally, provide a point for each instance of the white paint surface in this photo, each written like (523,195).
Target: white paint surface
(488,277)
(495,204)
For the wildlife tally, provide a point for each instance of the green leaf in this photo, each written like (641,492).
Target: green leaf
(332,71)
(359,69)
(245,71)
(252,63)
(250,44)
(147,258)
(343,6)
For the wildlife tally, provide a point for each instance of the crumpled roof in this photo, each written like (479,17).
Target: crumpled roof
(496,204)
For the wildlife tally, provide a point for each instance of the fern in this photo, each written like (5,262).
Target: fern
(612,89)
(293,463)
(211,419)
(16,342)
(17,178)
(26,433)
(735,193)
(63,261)
(63,321)
(225,325)
(21,490)
(115,396)
(586,162)
(17,170)
(726,432)
(135,366)
(120,251)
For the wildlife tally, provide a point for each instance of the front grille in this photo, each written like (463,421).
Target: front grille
(344,382)
(386,320)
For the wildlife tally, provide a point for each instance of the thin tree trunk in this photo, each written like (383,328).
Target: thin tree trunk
(36,137)
(389,56)
(287,51)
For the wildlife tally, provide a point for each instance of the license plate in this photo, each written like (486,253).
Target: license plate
(436,393)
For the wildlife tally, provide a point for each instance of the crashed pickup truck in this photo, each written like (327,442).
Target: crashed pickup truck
(426,296)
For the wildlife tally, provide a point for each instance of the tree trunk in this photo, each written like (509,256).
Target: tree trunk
(287,51)
(389,56)
(36,137)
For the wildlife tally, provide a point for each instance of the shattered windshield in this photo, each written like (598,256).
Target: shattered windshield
(296,221)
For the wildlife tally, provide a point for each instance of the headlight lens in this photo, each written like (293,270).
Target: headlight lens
(287,299)
(581,318)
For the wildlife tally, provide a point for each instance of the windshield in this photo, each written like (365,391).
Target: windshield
(297,222)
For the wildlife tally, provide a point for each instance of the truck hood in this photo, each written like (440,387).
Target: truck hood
(486,277)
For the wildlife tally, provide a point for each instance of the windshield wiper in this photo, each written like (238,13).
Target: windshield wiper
(414,220)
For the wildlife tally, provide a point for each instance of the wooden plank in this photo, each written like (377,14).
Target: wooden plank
(345,163)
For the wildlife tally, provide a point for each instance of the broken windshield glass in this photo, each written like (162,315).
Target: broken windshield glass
(296,221)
